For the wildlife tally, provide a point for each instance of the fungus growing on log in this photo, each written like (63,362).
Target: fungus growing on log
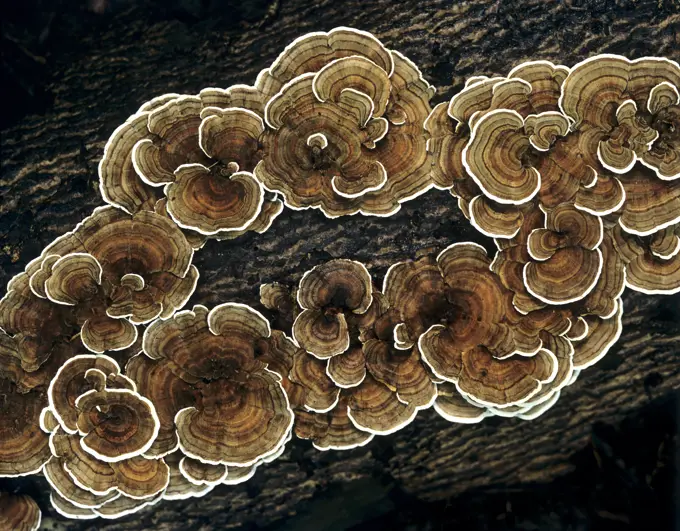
(574,172)
(330,295)
(594,293)
(19,512)
(467,330)
(73,473)
(652,262)
(37,326)
(179,487)
(237,411)
(354,383)
(73,379)
(116,271)
(116,424)
(196,154)
(344,125)
(503,147)
(24,446)
(644,94)
(279,299)
(566,261)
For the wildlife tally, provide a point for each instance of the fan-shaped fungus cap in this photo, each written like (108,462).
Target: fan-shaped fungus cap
(504,142)
(156,381)
(66,488)
(332,430)
(179,487)
(650,204)
(119,183)
(19,512)
(116,424)
(72,380)
(454,407)
(321,394)
(37,327)
(644,95)
(600,335)
(76,280)
(139,265)
(202,473)
(416,294)
(347,369)
(566,259)
(212,201)
(202,149)
(124,506)
(313,51)
(117,508)
(345,129)
(474,335)
(374,408)
(401,371)
(280,300)
(241,412)
(515,262)
(171,140)
(221,196)
(652,262)
(135,477)
(328,295)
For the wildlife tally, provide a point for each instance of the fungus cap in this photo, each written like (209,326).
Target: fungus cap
(19,512)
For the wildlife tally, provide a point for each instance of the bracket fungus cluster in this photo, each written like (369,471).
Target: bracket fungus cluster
(120,398)
(565,166)
(344,125)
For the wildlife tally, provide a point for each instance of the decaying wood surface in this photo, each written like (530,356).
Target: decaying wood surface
(48,182)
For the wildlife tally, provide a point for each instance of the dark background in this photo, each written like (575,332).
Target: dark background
(604,458)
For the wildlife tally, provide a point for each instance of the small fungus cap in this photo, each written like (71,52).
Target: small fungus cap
(329,294)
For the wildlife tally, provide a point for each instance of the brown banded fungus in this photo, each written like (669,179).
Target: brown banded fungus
(195,155)
(633,106)
(19,512)
(331,430)
(330,296)
(116,271)
(340,418)
(88,482)
(73,379)
(467,330)
(236,410)
(281,301)
(179,487)
(566,260)
(629,110)
(503,146)
(38,328)
(24,446)
(539,283)
(344,125)
(89,397)
(354,377)
(652,262)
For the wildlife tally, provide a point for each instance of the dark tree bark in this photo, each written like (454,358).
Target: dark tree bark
(48,182)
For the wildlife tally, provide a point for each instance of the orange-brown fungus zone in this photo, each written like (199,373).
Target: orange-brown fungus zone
(344,125)
(231,408)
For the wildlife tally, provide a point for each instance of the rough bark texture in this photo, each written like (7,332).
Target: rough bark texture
(48,182)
